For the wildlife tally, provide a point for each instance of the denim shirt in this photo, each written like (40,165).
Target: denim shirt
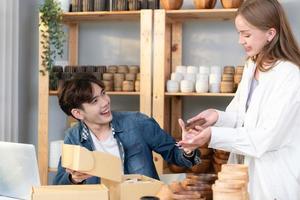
(137,136)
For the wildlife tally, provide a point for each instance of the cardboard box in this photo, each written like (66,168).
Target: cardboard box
(109,168)
(70,192)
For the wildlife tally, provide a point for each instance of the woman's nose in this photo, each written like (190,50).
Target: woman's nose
(241,40)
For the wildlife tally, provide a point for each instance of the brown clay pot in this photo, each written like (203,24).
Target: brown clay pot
(203,167)
(171,4)
(204,4)
(231,3)
(176,168)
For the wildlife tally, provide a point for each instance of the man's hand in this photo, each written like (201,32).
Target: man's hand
(77,177)
(186,135)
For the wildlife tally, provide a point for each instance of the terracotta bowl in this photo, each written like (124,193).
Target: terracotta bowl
(219,160)
(202,177)
(205,152)
(204,4)
(203,167)
(176,168)
(231,3)
(171,4)
(217,167)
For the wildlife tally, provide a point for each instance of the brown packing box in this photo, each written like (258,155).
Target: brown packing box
(70,192)
(109,168)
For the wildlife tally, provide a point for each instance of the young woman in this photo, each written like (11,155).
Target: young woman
(261,126)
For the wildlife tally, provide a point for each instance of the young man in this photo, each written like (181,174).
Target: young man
(131,136)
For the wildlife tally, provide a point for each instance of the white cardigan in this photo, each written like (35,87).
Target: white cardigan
(268,134)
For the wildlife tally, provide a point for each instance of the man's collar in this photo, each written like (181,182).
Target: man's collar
(86,131)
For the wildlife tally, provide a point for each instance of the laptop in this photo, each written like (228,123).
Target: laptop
(18,170)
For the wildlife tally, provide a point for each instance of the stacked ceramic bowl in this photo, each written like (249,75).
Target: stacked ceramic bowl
(219,158)
(238,76)
(122,78)
(202,79)
(227,85)
(232,183)
(195,186)
(179,192)
(215,79)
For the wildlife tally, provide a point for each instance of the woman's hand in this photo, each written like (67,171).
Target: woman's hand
(77,177)
(210,116)
(187,135)
(197,137)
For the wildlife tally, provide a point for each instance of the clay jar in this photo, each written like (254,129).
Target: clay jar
(204,4)
(171,4)
(231,3)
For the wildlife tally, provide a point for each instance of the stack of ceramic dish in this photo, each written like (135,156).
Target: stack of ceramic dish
(227,85)
(232,183)
(215,79)
(220,157)
(202,79)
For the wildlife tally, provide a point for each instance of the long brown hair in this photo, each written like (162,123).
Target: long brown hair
(266,14)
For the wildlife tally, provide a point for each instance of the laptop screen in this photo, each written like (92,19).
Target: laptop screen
(18,170)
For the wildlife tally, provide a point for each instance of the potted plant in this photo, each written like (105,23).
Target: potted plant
(53,37)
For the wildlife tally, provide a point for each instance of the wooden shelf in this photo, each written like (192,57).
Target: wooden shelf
(200,94)
(73,17)
(201,14)
(72,21)
(55,93)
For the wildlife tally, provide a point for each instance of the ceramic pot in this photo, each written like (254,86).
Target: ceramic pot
(204,4)
(171,4)
(231,3)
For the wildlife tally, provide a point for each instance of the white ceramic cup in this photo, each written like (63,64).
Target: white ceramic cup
(172,86)
(175,76)
(181,69)
(204,69)
(190,77)
(192,69)
(214,87)
(201,86)
(186,86)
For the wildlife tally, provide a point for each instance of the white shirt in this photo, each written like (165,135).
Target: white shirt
(109,145)
(268,134)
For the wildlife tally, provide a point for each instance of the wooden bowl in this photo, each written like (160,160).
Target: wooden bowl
(205,152)
(217,167)
(235,167)
(204,4)
(186,195)
(203,167)
(231,3)
(219,160)
(202,177)
(176,168)
(171,4)
(233,175)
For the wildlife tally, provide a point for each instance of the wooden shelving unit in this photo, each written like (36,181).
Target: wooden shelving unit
(72,21)
(167,107)
(55,93)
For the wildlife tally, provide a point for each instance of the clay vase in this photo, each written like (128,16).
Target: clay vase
(171,4)
(204,4)
(231,3)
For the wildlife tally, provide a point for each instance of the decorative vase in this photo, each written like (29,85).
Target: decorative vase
(171,4)
(204,4)
(231,3)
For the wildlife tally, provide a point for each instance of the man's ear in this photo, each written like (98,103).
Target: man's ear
(77,113)
(271,33)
